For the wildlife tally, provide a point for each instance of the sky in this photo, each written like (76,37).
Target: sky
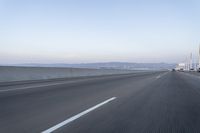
(81,31)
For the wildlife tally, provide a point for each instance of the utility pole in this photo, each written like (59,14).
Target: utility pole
(199,56)
(186,64)
(198,67)
(191,66)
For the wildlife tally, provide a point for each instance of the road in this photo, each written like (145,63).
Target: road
(157,102)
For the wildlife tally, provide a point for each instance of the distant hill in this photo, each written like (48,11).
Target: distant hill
(109,65)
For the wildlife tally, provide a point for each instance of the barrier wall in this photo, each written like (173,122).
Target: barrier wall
(11,73)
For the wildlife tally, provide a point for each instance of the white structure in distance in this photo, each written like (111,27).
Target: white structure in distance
(189,64)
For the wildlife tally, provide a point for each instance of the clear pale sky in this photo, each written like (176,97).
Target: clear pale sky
(80,31)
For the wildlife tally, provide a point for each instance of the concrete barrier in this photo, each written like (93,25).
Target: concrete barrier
(11,73)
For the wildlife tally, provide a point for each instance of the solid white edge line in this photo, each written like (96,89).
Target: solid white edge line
(67,121)
(36,86)
(30,87)
(159,76)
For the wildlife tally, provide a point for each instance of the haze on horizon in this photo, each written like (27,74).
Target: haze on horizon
(77,31)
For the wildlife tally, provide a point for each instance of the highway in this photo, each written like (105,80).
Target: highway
(154,102)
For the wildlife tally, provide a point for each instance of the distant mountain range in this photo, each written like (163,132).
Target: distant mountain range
(107,65)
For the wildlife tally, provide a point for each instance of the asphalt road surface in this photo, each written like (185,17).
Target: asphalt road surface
(157,102)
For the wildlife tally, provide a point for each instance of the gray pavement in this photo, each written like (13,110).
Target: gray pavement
(157,102)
